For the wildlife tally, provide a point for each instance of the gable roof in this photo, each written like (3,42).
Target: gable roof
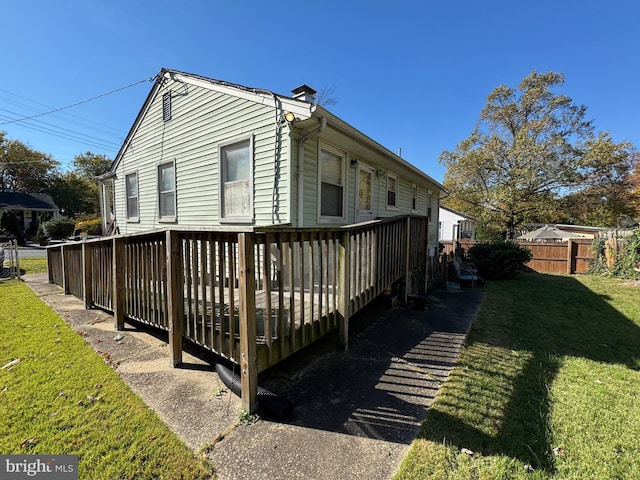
(303,111)
(26,201)
(466,217)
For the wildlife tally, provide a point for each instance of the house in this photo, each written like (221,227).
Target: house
(455,226)
(29,208)
(208,153)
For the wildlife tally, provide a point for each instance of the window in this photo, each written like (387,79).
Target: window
(332,186)
(131,186)
(414,197)
(392,190)
(236,190)
(166,107)
(167,191)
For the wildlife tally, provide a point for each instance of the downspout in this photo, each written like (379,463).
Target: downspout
(301,140)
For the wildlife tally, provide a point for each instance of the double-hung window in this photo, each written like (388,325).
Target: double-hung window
(167,191)
(392,190)
(332,183)
(236,186)
(131,186)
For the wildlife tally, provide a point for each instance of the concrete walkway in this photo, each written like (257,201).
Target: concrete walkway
(355,413)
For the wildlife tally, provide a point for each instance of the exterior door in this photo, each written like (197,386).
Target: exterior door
(364,192)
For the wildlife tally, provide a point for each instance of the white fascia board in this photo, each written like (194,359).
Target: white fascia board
(360,137)
(300,109)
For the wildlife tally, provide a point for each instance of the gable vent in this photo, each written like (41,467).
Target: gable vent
(166,107)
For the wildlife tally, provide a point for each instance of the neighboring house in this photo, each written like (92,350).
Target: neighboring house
(29,208)
(583,230)
(456,226)
(208,153)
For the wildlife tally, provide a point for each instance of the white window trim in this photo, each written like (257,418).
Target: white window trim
(132,219)
(173,218)
(397,191)
(236,218)
(414,198)
(342,153)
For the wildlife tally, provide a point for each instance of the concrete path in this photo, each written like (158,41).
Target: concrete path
(355,413)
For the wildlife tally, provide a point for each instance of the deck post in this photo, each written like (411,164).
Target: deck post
(50,263)
(117,260)
(248,347)
(405,246)
(65,273)
(87,275)
(344,283)
(175,294)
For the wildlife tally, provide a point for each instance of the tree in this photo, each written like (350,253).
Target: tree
(529,148)
(23,169)
(90,165)
(76,192)
(606,194)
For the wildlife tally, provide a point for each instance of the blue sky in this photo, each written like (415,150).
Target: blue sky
(410,74)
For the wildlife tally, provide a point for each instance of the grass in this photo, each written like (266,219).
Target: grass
(547,386)
(62,398)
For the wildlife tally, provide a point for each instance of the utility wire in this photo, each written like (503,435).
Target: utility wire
(78,103)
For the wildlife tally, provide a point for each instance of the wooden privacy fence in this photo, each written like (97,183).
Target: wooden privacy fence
(253,297)
(571,257)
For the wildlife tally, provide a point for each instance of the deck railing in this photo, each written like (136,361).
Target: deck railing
(253,297)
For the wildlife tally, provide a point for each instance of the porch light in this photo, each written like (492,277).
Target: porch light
(289,117)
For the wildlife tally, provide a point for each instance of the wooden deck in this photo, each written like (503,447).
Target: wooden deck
(253,297)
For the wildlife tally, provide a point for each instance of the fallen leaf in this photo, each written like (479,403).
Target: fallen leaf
(467,451)
(558,452)
(28,442)
(529,468)
(12,363)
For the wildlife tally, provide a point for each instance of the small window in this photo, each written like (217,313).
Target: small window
(131,186)
(167,191)
(392,190)
(236,189)
(166,107)
(414,197)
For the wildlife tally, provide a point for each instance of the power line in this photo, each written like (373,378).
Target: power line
(77,103)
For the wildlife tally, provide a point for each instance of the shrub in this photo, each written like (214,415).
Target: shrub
(10,224)
(91,226)
(499,260)
(61,227)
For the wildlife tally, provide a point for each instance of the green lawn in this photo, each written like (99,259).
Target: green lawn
(547,386)
(62,398)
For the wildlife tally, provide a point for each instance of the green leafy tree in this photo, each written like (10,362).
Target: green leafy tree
(23,169)
(530,147)
(76,192)
(90,165)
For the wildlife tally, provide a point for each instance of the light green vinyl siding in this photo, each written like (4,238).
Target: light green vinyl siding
(201,120)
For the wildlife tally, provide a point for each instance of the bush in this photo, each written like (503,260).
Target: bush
(499,260)
(91,226)
(61,227)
